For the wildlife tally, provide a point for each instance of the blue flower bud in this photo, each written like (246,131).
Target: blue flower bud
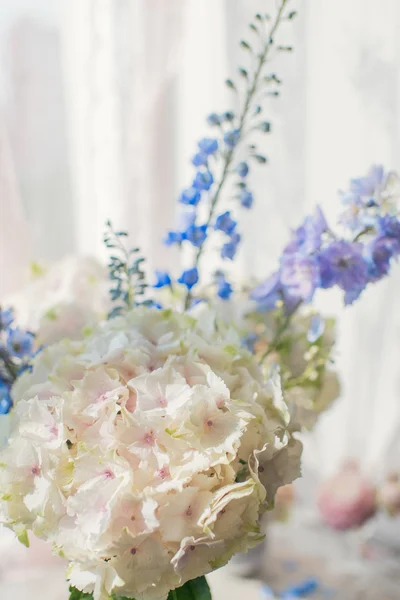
(5,399)
(242,169)
(225,223)
(214,119)
(190,196)
(224,289)
(231,138)
(189,278)
(208,145)
(246,198)
(203,181)
(19,343)
(200,159)
(173,237)
(162,279)
(196,234)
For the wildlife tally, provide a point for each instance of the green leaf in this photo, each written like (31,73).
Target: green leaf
(75,594)
(23,538)
(197,589)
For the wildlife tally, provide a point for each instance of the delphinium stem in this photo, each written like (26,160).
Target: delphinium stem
(242,122)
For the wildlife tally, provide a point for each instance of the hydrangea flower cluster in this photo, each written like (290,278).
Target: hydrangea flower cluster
(317,258)
(304,353)
(16,348)
(62,299)
(145,453)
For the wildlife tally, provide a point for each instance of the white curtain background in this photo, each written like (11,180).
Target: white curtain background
(101,105)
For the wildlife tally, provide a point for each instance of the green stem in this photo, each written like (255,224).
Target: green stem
(130,286)
(229,156)
(280,331)
(9,365)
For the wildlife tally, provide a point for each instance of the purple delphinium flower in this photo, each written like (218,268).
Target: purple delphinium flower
(307,238)
(389,231)
(370,184)
(300,275)
(268,293)
(189,278)
(225,223)
(342,263)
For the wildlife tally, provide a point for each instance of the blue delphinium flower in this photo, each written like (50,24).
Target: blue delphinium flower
(190,196)
(342,263)
(231,138)
(246,198)
(300,275)
(173,237)
(196,234)
(224,288)
(225,223)
(6,318)
(228,116)
(162,279)
(208,145)
(229,249)
(5,399)
(242,169)
(203,181)
(214,119)
(189,278)
(19,343)
(200,159)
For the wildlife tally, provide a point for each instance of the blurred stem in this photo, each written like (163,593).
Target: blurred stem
(280,331)
(9,366)
(242,121)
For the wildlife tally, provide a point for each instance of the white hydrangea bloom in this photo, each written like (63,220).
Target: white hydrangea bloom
(145,453)
(63,299)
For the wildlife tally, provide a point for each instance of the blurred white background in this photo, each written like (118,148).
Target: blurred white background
(101,103)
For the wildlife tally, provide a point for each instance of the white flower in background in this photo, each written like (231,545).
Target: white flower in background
(145,453)
(63,299)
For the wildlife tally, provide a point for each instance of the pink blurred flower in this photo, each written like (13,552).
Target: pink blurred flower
(348,499)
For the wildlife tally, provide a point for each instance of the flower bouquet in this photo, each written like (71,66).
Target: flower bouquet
(146,447)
